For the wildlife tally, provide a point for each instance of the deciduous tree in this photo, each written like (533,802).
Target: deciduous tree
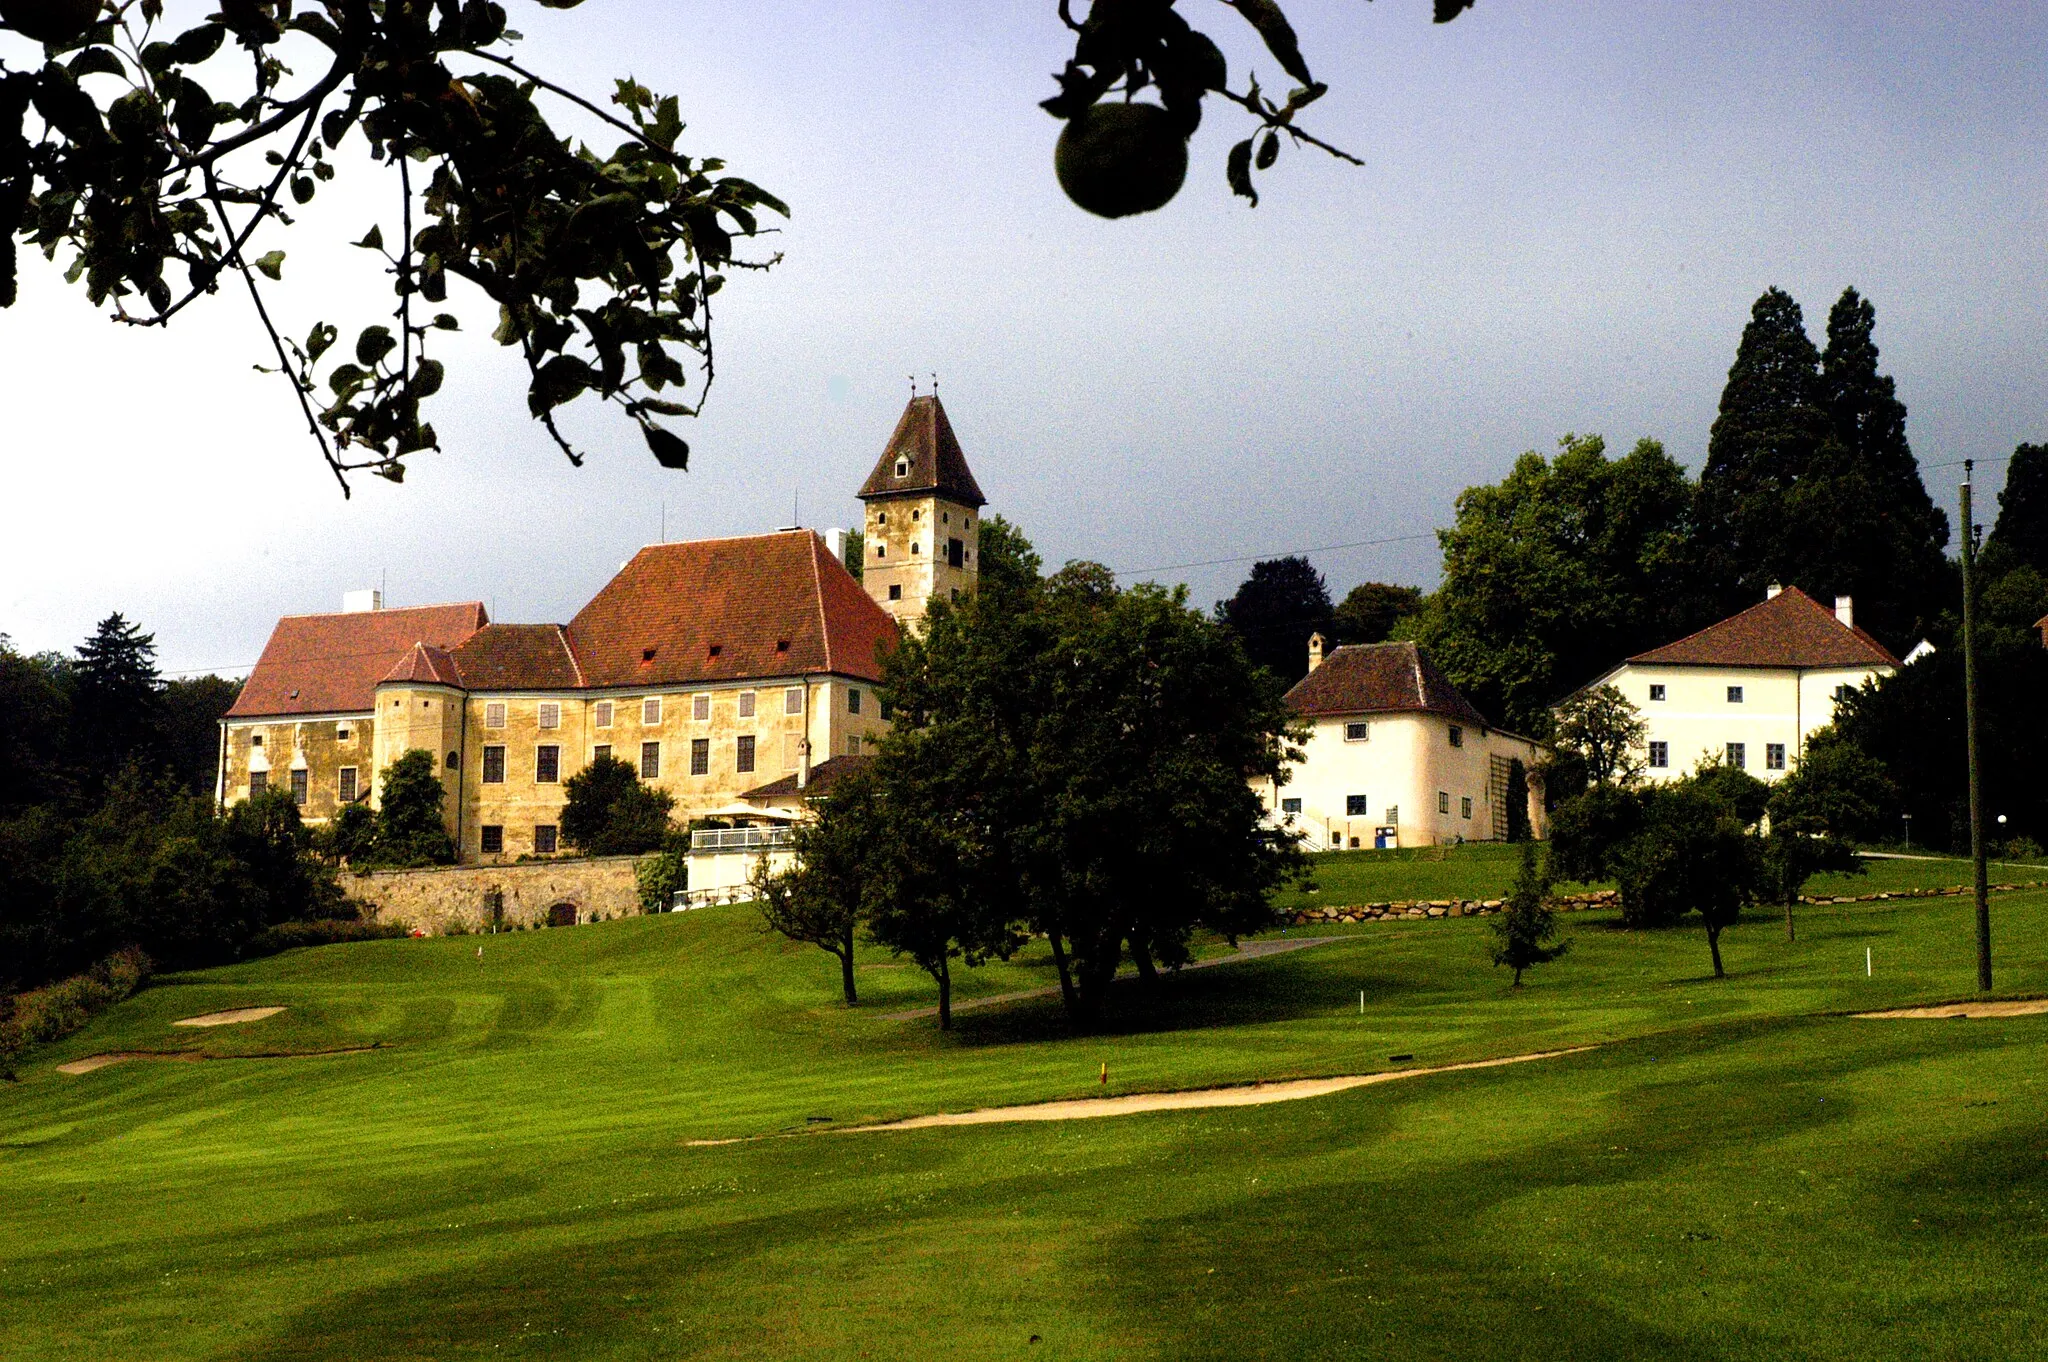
(608,810)
(410,830)
(1370,610)
(833,873)
(1275,609)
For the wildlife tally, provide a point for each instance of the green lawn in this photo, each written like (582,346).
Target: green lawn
(1739,1171)
(1485,870)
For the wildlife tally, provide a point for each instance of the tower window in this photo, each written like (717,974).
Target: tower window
(956,553)
(895,591)
(903,468)
(1457,736)
(256,741)
(881,550)
(853,699)
(915,547)
(917,515)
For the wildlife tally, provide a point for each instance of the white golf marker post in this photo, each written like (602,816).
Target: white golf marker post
(1866,962)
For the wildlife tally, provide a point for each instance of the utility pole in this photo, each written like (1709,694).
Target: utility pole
(1979,878)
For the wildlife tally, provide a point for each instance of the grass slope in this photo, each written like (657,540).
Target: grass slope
(1733,1174)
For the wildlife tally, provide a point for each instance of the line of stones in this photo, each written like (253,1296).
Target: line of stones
(1598,898)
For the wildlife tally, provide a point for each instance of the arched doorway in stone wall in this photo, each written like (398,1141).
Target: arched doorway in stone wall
(562,915)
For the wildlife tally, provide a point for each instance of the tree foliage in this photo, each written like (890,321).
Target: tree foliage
(1565,566)
(1280,603)
(2020,535)
(121,150)
(1370,610)
(1597,739)
(411,830)
(1833,798)
(608,810)
(1525,934)
(834,877)
(1810,481)
(116,702)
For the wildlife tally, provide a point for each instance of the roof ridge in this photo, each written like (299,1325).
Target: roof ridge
(384,610)
(818,596)
(562,637)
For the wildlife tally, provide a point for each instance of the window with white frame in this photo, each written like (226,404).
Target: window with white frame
(793,700)
(1656,691)
(547,764)
(601,714)
(601,752)
(259,783)
(544,839)
(1357,732)
(494,764)
(744,756)
(700,756)
(1738,755)
(550,714)
(746,704)
(700,708)
(1774,756)
(346,786)
(1735,695)
(1660,754)
(494,714)
(1290,805)
(650,711)
(490,839)
(650,760)
(299,786)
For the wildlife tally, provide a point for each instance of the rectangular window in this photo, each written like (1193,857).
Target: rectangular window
(1656,692)
(744,762)
(347,785)
(601,752)
(494,765)
(650,760)
(547,764)
(1457,736)
(1354,806)
(601,714)
(650,711)
(299,787)
(1735,695)
(1660,754)
(256,740)
(1738,755)
(1443,801)
(746,704)
(341,735)
(491,839)
(259,783)
(494,714)
(1360,732)
(544,839)
(551,714)
(895,591)
(853,699)
(956,553)
(1465,806)
(700,708)
(1774,756)
(1290,806)
(700,756)
(793,700)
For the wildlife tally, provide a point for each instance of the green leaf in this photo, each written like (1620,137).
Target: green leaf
(373,240)
(302,189)
(96,61)
(1267,18)
(426,377)
(1238,170)
(669,449)
(195,45)
(345,379)
(271,263)
(320,339)
(335,125)
(373,344)
(1269,151)
(560,380)
(445,321)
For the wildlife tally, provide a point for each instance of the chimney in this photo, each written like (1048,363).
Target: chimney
(835,541)
(361,602)
(1315,651)
(803,763)
(1845,611)
(1773,591)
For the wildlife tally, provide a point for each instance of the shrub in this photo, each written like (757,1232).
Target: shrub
(610,811)
(46,1014)
(661,876)
(321,932)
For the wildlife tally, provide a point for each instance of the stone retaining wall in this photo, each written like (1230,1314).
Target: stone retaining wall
(452,899)
(1598,898)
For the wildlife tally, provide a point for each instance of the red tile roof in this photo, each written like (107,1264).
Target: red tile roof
(924,437)
(729,610)
(518,657)
(1379,678)
(331,664)
(1791,629)
(824,776)
(424,666)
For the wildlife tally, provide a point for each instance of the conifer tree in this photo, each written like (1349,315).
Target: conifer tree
(116,702)
(2021,533)
(1277,607)
(1770,426)
(1525,933)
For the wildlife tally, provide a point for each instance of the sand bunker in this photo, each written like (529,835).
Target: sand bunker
(1242,1095)
(230,1017)
(91,1062)
(2025,1007)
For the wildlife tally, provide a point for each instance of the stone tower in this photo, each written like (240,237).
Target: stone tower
(920,537)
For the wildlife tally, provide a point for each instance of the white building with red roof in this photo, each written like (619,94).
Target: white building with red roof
(1750,690)
(714,667)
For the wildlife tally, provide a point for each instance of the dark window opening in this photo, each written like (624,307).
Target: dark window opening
(347,784)
(299,787)
(1660,754)
(1774,756)
(956,553)
(1354,806)
(1457,736)
(1735,695)
(1656,692)
(494,765)
(544,839)
(453,760)
(745,758)
(895,591)
(259,783)
(1290,806)
(491,839)
(700,756)
(650,760)
(1738,755)
(547,764)
(853,700)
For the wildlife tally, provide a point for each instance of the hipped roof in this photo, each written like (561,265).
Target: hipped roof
(924,440)
(1791,629)
(1379,678)
(331,664)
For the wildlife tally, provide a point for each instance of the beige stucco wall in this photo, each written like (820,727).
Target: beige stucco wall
(1405,763)
(904,543)
(447,897)
(1695,717)
(314,742)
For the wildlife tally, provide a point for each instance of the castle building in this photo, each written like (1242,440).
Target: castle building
(713,667)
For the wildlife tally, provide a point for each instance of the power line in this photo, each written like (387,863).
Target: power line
(1287,553)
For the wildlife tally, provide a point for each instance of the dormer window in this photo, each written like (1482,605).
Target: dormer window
(903,468)
(716,649)
(781,645)
(647,654)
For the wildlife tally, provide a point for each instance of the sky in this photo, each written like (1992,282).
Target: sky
(1565,213)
